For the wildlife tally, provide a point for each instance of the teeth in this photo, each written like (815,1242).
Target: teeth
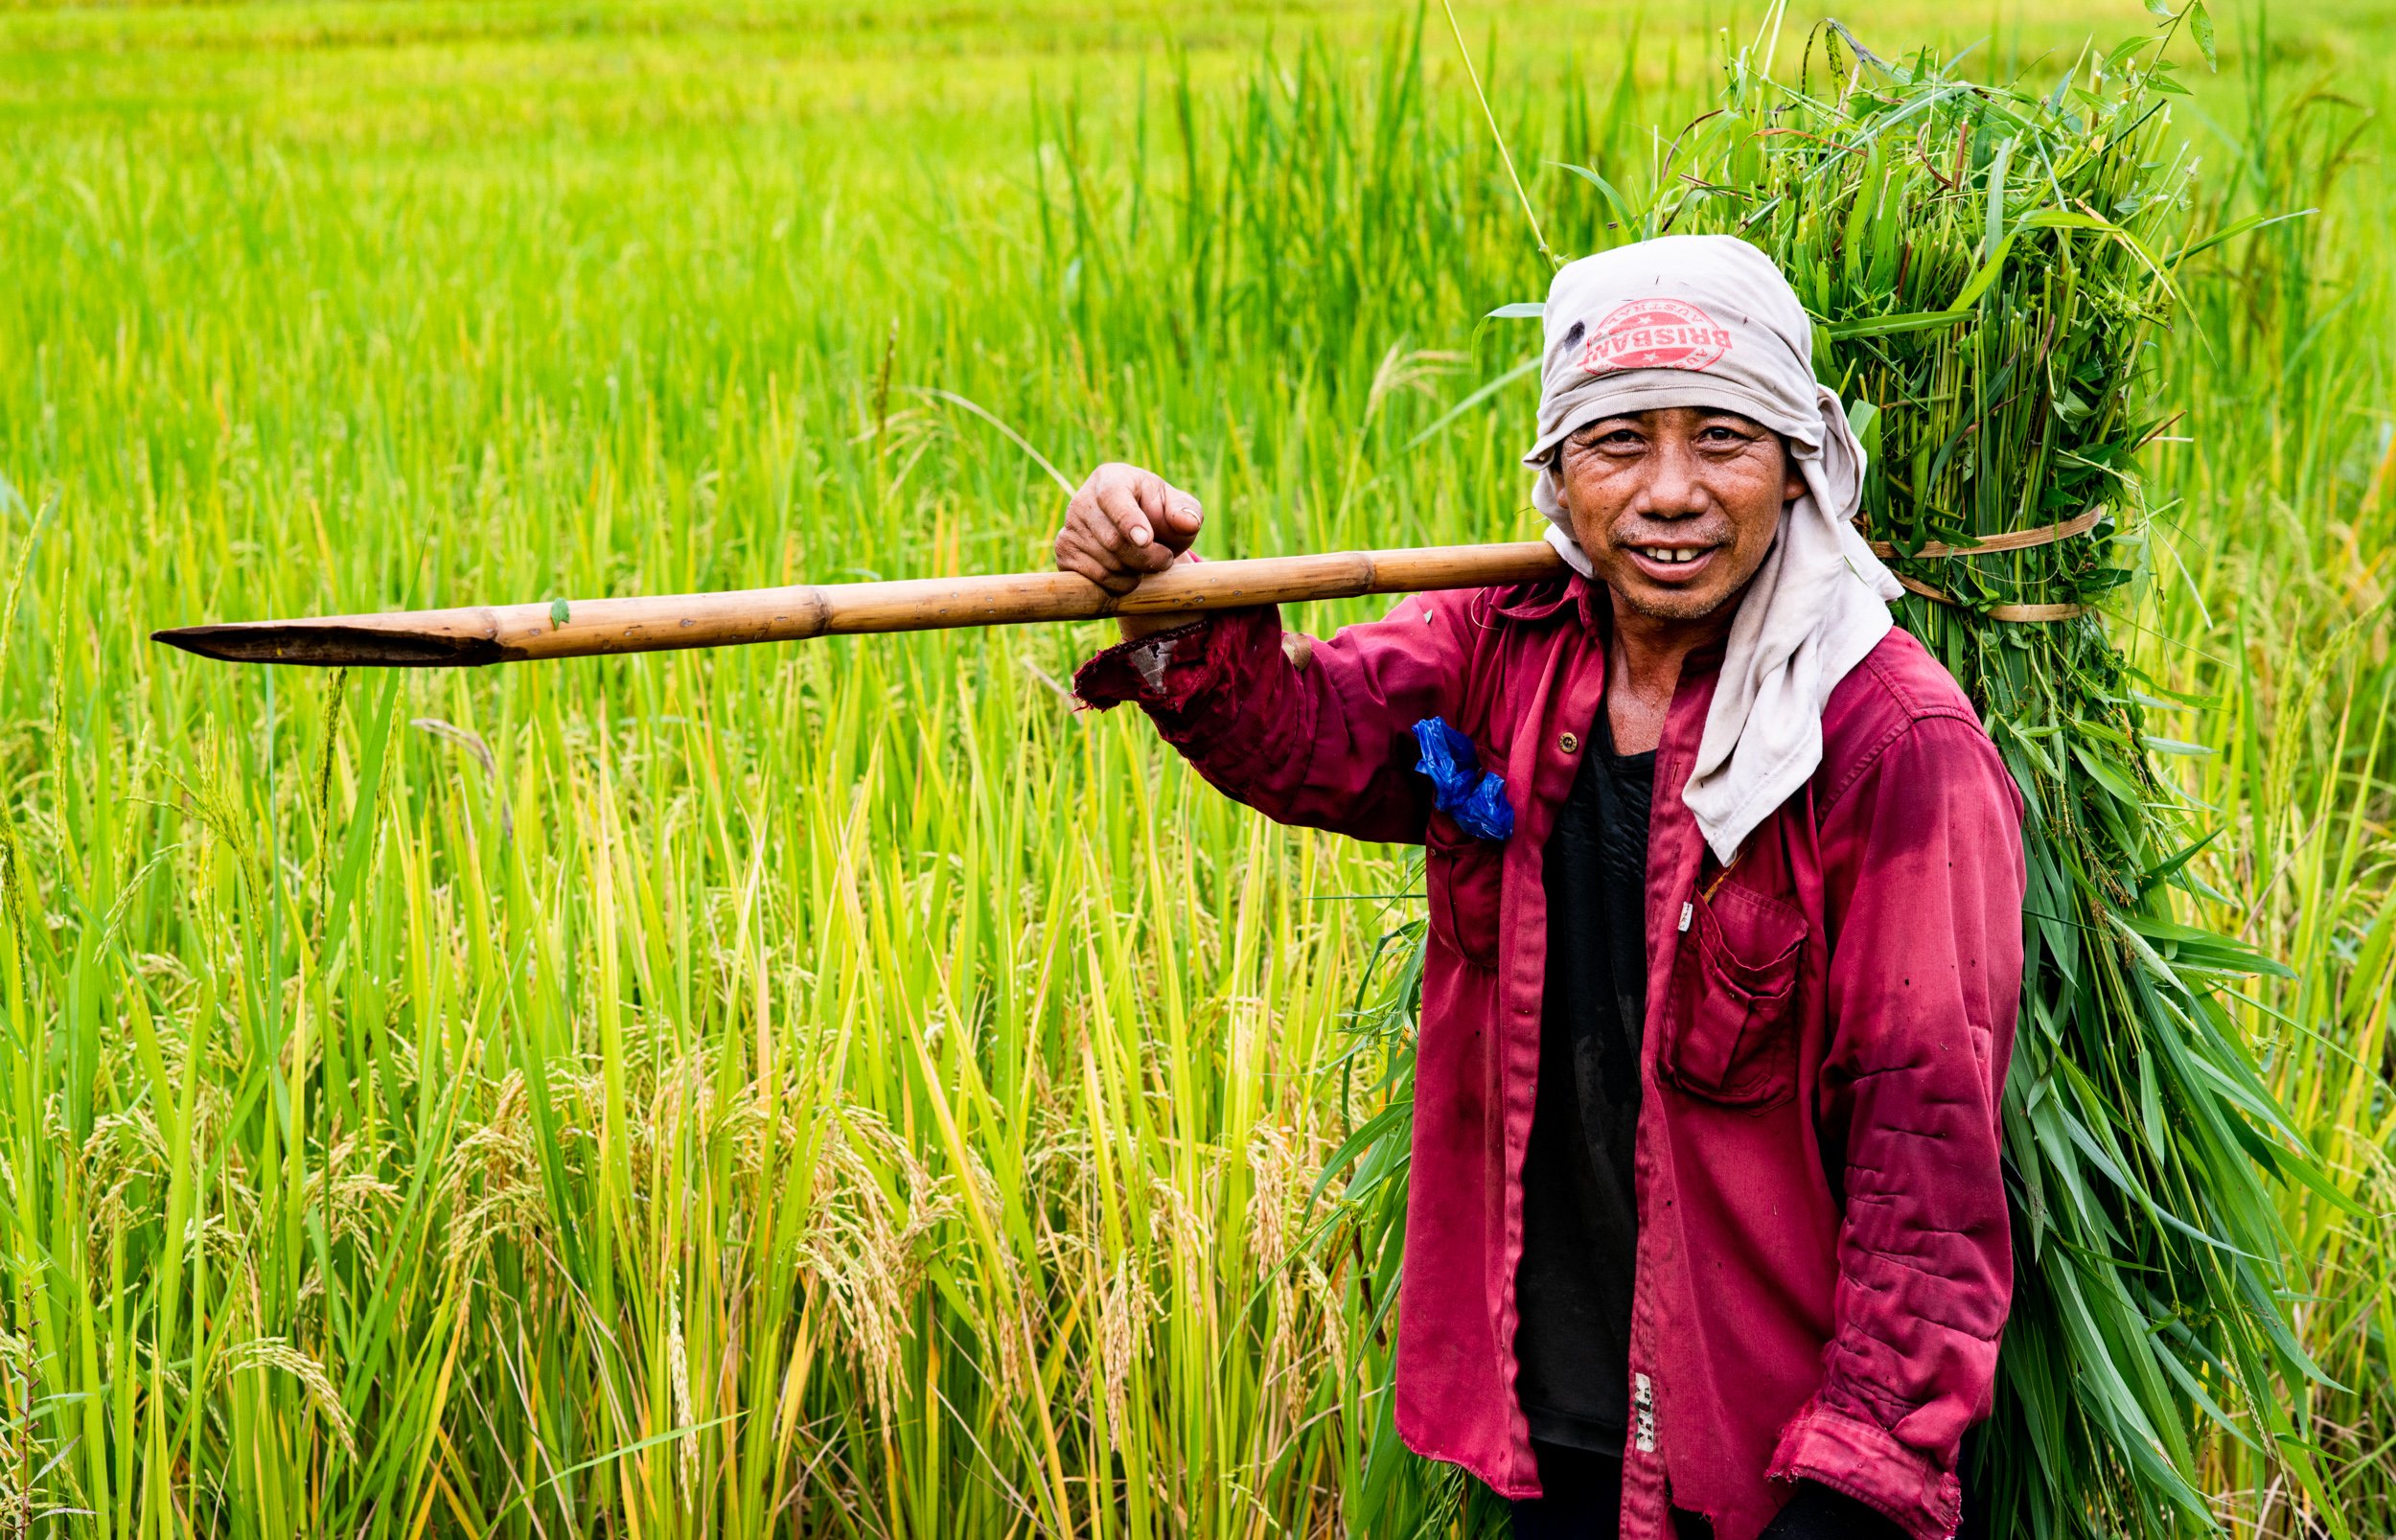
(1669,553)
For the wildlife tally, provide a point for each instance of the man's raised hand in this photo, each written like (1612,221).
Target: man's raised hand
(1123,525)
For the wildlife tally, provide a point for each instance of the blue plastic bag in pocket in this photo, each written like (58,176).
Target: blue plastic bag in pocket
(1459,787)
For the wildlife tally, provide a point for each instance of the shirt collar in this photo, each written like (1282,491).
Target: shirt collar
(1547,598)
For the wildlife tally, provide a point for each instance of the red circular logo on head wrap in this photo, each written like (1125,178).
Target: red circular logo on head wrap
(1654,334)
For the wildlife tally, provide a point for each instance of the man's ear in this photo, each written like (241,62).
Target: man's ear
(1792,479)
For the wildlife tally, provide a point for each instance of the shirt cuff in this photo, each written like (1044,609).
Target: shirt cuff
(1872,1465)
(1142,670)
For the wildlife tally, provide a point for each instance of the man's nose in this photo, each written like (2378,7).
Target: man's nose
(1674,489)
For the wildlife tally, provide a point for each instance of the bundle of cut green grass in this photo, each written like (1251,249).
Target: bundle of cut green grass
(1988,266)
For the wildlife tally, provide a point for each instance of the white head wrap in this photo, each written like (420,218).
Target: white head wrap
(1709,321)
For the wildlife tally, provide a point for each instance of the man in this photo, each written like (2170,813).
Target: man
(1707,1233)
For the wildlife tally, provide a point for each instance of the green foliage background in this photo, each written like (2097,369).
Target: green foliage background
(838,1088)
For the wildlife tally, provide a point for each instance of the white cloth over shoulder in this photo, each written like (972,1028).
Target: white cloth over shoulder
(1709,321)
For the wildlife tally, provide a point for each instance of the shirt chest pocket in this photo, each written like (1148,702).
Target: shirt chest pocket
(1463,878)
(1731,1034)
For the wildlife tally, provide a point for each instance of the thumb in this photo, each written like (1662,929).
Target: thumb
(1183,517)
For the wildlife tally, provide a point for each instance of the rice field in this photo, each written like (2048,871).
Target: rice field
(840,1088)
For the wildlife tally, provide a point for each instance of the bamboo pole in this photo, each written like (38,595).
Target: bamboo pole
(588,628)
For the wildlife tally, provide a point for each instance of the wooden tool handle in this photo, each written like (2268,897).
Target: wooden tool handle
(586,628)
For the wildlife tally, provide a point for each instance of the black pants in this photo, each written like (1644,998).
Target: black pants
(1581,1499)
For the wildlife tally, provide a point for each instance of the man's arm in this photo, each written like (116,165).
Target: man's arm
(1309,732)
(1319,733)
(1923,867)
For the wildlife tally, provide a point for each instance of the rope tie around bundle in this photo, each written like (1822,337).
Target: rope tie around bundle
(2023,540)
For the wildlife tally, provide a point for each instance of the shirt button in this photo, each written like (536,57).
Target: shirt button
(1569,742)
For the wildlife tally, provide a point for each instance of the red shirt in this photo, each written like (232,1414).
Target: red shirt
(1824,1260)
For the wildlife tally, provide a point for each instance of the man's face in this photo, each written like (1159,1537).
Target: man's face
(1677,507)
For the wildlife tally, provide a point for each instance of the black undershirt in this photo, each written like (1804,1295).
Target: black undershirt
(1580,1211)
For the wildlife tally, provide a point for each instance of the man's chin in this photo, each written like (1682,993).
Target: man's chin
(1666,604)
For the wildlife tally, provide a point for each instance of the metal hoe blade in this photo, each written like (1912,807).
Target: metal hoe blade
(322,646)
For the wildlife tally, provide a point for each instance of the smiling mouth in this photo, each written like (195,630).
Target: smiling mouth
(1671,556)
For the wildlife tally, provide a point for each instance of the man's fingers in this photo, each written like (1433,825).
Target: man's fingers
(1131,535)
(1124,523)
(1106,540)
(1172,514)
(1101,531)
(1081,548)
(1119,502)
(1151,492)
(1105,571)
(1178,516)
